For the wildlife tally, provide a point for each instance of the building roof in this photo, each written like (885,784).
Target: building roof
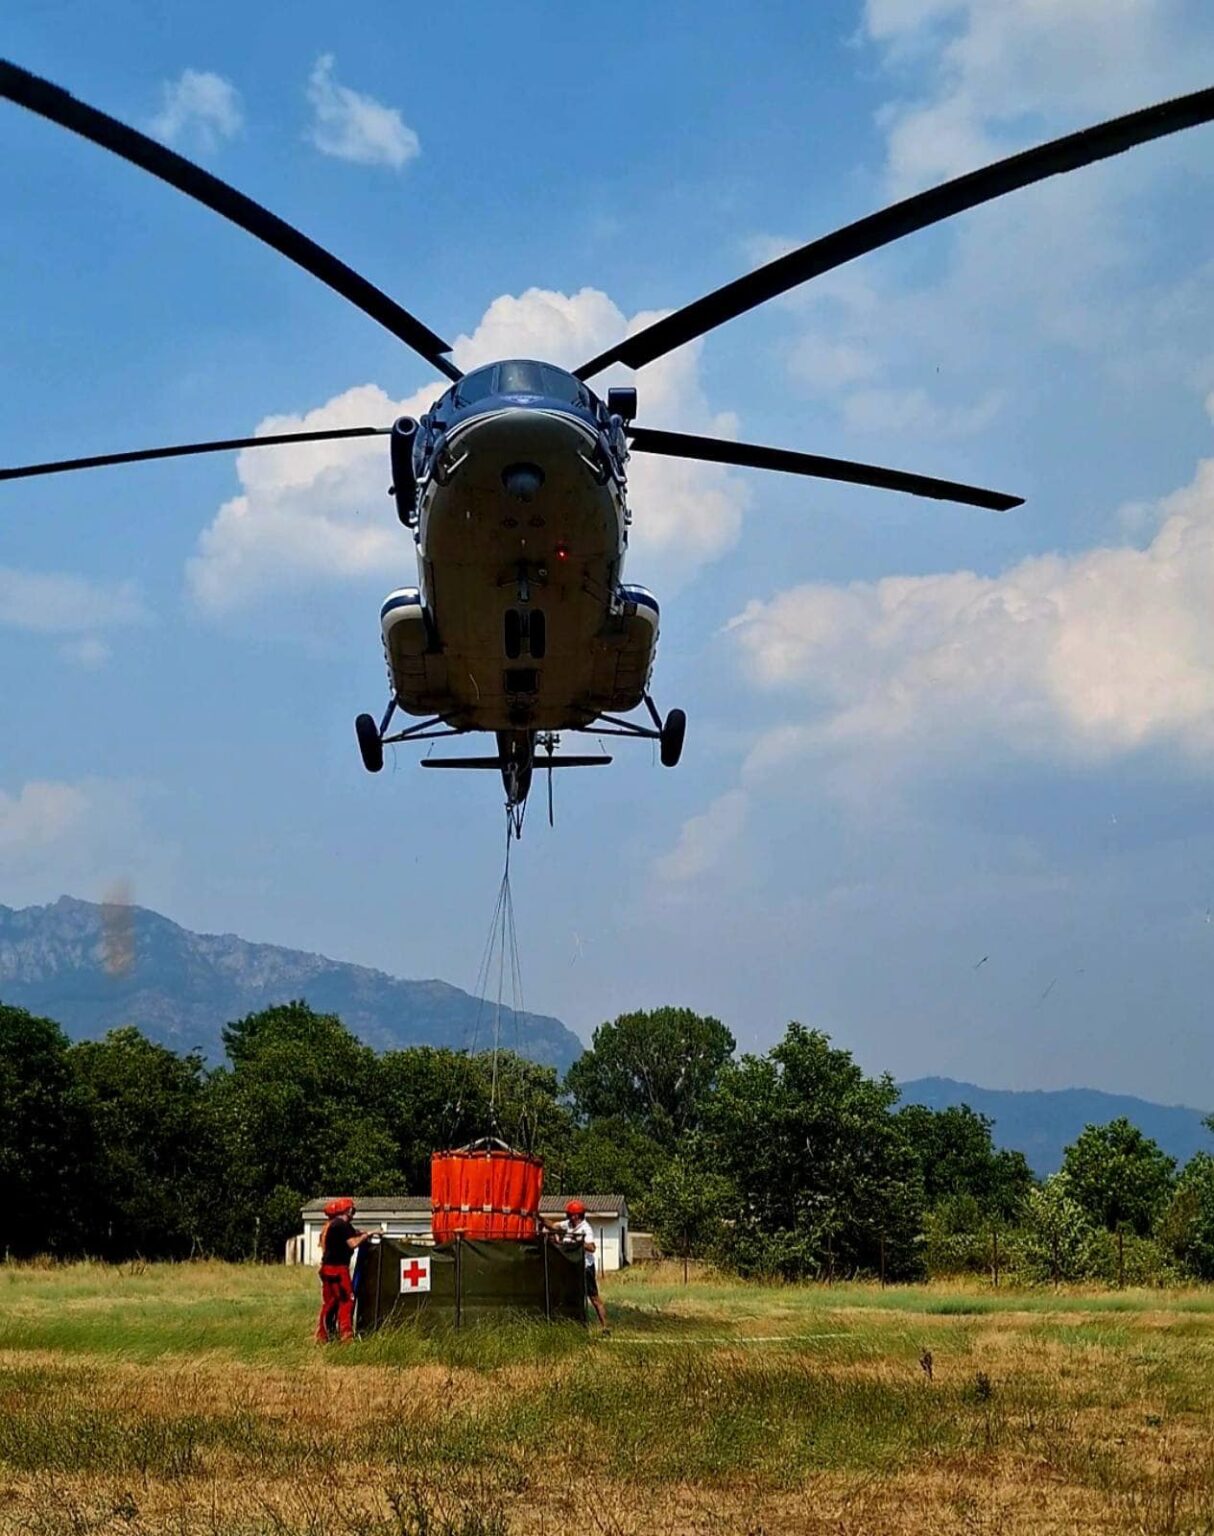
(386,1206)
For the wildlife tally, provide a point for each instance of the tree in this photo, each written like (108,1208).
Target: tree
(1059,1240)
(655,1069)
(688,1203)
(1186,1228)
(146,1180)
(431,1099)
(957,1157)
(611,1156)
(298,1116)
(43,1136)
(1120,1177)
(826,1179)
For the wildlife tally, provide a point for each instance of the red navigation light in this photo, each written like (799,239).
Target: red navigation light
(562,551)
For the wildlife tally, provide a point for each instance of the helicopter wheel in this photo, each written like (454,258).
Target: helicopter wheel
(369,743)
(672,738)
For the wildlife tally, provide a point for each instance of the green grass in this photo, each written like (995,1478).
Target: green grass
(175,1390)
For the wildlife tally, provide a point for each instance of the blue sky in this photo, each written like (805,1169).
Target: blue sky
(946,790)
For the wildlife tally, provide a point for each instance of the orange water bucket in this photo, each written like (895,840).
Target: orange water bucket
(486,1190)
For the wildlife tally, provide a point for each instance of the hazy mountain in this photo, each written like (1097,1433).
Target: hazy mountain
(94,968)
(1040,1124)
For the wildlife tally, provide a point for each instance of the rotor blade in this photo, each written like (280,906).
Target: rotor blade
(716,450)
(904,218)
(50,101)
(183,450)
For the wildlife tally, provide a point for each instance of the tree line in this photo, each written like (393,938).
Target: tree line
(792,1164)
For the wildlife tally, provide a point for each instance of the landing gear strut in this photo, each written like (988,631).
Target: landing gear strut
(668,733)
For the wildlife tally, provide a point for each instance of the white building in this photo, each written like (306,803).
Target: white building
(408,1216)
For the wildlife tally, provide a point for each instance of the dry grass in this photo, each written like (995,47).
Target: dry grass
(187,1399)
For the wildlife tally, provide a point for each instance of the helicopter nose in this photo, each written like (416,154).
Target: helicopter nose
(522,481)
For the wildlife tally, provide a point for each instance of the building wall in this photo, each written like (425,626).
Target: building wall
(610,1237)
(416,1228)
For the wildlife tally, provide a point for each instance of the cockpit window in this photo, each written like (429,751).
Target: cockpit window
(522,378)
(475,386)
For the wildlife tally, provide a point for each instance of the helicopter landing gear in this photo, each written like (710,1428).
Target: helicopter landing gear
(670,738)
(370,743)
(668,733)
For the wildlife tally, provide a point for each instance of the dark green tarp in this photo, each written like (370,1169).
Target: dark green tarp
(467,1281)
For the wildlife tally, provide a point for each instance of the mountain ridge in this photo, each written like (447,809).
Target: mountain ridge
(94,967)
(1040,1122)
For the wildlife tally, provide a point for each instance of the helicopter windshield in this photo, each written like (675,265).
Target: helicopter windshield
(475,386)
(521,378)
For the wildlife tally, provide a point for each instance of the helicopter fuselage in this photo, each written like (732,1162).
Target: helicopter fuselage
(520,621)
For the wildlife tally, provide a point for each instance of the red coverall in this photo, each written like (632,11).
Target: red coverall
(336,1289)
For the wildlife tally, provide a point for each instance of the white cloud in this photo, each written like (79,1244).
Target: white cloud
(1059,264)
(705,840)
(351,126)
(76,837)
(309,513)
(1088,656)
(42,813)
(318,512)
(199,107)
(55,603)
(89,653)
(1006,72)
(913,413)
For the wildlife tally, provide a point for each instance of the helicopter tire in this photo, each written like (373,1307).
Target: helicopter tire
(369,743)
(671,740)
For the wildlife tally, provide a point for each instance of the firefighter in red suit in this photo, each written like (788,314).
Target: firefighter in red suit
(338,1239)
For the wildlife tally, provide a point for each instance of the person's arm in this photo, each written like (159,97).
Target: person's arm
(359,1237)
(588,1239)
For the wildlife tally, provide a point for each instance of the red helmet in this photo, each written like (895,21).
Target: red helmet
(575,1208)
(339,1207)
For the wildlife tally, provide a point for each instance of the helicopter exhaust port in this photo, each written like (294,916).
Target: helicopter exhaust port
(404,479)
(522,481)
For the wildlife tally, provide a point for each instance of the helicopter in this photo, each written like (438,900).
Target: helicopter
(514,483)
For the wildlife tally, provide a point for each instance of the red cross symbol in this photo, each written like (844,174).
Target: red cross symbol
(415,1274)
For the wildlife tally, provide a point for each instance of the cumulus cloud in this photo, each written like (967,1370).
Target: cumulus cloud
(1059,264)
(199,107)
(90,653)
(41,813)
(351,126)
(705,840)
(75,836)
(56,603)
(1088,656)
(318,512)
(309,513)
(1002,71)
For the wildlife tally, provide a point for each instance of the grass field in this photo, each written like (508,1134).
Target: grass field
(189,1399)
